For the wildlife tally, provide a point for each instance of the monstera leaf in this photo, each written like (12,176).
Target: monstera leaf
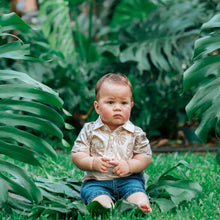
(155,36)
(29,120)
(129,10)
(204,75)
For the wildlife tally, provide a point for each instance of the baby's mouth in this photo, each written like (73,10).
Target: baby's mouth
(117,116)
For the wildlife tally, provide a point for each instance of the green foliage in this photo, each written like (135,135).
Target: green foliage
(130,10)
(62,174)
(204,76)
(59,196)
(59,36)
(161,39)
(150,45)
(168,191)
(153,51)
(29,120)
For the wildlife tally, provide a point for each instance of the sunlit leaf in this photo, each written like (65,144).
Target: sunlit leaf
(23,77)
(65,143)
(164,204)
(127,55)
(206,45)
(204,75)
(38,124)
(12,22)
(123,206)
(206,104)
(21,184)
(27,91)
(200,70)
(35,108)
(214,22)
(68,126)
(19,202)
(181,162)
(59,188)
(168,191)
(36,143)
(3,194)
(56,26)
(60,201)
(19,153)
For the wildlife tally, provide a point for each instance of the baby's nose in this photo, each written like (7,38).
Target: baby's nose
(117,106)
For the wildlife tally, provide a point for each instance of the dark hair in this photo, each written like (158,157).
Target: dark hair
(113,78)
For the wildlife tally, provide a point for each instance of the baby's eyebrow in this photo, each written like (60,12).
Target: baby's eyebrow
(110,98)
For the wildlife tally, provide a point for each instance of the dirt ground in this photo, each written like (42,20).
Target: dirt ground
(162,145)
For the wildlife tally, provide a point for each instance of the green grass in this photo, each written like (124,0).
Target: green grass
(204,170)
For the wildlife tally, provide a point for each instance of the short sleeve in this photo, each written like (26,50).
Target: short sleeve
(142,144)
(82,142)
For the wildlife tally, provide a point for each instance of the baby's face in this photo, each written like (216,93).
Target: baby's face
(114,104)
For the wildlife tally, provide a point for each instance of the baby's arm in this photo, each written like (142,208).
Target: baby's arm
(139,162)
(87,163)
(82,160)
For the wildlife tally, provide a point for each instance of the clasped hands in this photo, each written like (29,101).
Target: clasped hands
(103,164)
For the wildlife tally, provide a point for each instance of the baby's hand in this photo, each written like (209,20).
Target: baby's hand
(101,164)
(121,167)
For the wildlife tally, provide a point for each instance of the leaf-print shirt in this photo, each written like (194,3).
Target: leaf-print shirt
(98,140)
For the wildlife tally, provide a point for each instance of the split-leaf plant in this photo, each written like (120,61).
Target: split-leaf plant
(28,123)
(204,77)
(145,40)
(153,48)
(30,117)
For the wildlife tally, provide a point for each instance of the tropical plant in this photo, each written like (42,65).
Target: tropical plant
(204,77)
(59,36)
(29,120)
(154,50)
(160,38)
(169,191)
(152,46)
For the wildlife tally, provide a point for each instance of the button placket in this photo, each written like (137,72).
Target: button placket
(110,146)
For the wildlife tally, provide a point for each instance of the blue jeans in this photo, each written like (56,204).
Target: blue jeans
(118,188)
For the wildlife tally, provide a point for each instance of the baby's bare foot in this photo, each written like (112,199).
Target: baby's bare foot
(145,208)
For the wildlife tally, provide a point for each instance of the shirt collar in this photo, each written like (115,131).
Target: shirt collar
(98,123)
(129,126)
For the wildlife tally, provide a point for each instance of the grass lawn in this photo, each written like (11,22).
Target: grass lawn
(204,170)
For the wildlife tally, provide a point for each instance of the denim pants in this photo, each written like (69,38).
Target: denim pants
(118,188)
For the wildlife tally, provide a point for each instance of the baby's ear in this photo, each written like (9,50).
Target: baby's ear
(96,105)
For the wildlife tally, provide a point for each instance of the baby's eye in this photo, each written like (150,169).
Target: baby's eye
(110,102)
(124,103)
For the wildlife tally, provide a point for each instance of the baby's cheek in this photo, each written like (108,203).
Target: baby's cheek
(127,113)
